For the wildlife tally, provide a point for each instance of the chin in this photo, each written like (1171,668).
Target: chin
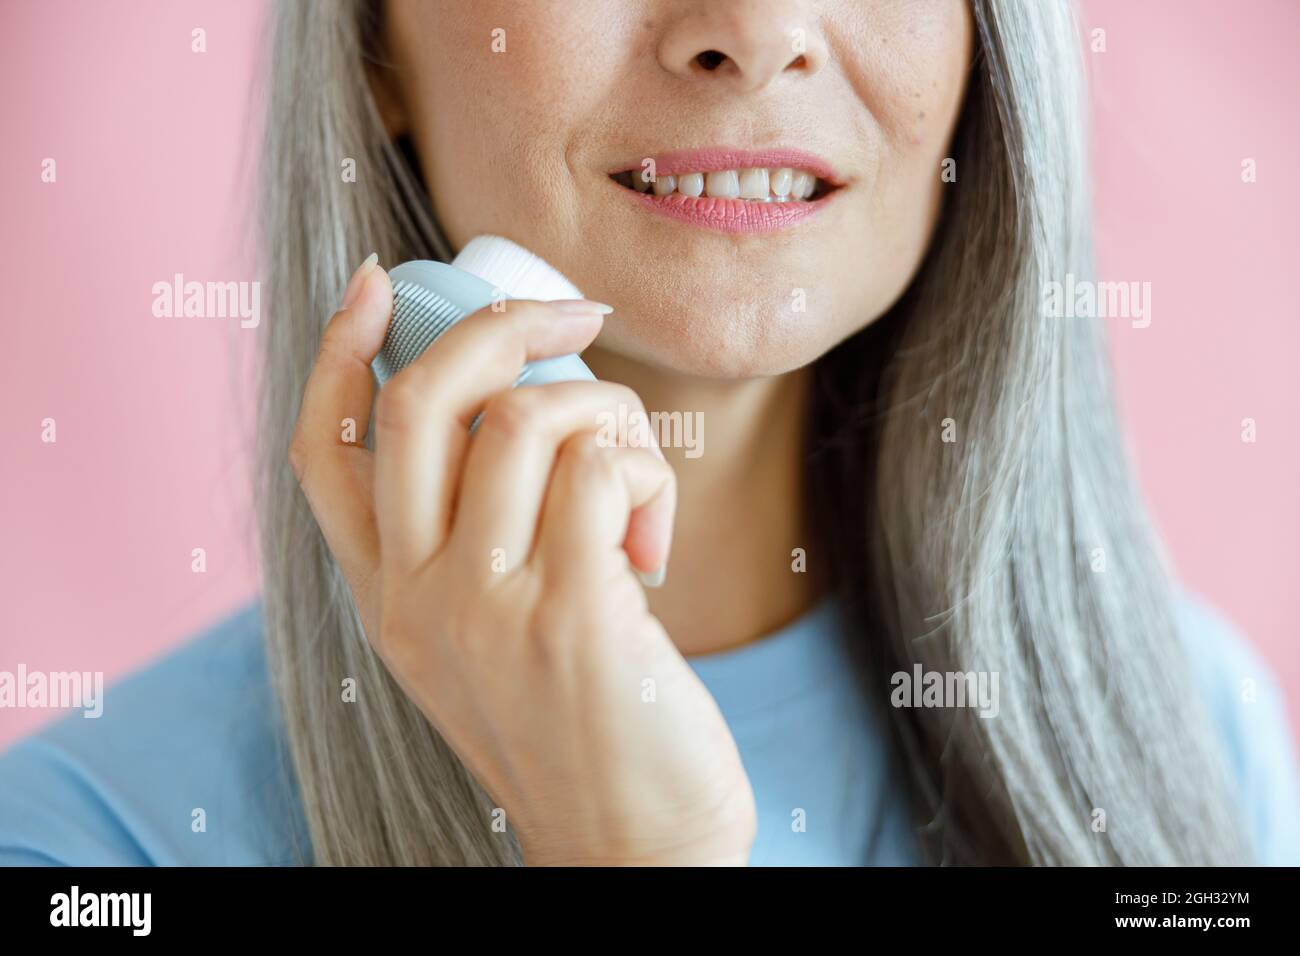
(727,342)
(709,308)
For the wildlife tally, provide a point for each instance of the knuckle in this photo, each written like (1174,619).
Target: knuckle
(391,637)
(507,318)
(496,341)
(519,314)
(399,403)
(583,451)
(515,413)
(550,622)
(585,455)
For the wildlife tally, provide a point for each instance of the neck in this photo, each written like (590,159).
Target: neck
(740,510)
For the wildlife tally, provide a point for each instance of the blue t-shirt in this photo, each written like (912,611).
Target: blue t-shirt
(199,731)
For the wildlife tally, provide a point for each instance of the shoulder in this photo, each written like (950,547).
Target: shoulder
(1246,706)
(193,737)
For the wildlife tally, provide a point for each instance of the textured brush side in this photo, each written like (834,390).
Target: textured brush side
(419,317)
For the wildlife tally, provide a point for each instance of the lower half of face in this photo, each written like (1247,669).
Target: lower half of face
(748,183)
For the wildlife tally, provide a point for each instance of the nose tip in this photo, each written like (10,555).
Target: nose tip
(745,46)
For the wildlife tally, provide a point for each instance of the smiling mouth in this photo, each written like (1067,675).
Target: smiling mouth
(758,185)
(731,190)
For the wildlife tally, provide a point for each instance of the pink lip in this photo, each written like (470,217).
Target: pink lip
(733,215)
(728,215)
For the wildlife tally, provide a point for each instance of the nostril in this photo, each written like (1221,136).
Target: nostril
(711,59)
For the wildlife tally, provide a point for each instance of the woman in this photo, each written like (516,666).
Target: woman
(910,470)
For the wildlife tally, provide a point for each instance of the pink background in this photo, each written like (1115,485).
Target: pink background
(154,414)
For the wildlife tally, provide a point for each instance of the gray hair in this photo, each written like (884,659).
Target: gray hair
(969,555)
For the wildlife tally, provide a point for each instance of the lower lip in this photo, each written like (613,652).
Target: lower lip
(729,215)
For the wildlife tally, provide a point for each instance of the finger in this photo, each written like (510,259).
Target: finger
(424,412)
(586,519)
(327,451)
(508,464)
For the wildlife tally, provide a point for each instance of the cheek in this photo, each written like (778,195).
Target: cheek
(913,77)
(495,96)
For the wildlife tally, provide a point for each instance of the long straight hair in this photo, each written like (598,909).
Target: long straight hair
(966,471)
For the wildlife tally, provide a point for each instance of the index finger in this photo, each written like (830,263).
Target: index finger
(328,452)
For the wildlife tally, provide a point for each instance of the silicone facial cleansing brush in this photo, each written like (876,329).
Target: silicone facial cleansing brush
(431,297)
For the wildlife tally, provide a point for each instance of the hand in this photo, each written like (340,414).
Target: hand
(494,575)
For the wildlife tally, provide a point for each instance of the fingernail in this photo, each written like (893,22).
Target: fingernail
(654,579)
(358,280)
(580,307)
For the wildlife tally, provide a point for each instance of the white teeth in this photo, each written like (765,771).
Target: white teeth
(782,179)
(803,185)
(692,184)
(665,185)
(723,185)
(753,184)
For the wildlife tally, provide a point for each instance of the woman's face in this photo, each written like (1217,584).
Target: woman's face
(525,112)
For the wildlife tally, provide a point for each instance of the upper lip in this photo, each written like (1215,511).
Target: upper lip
(716,158)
